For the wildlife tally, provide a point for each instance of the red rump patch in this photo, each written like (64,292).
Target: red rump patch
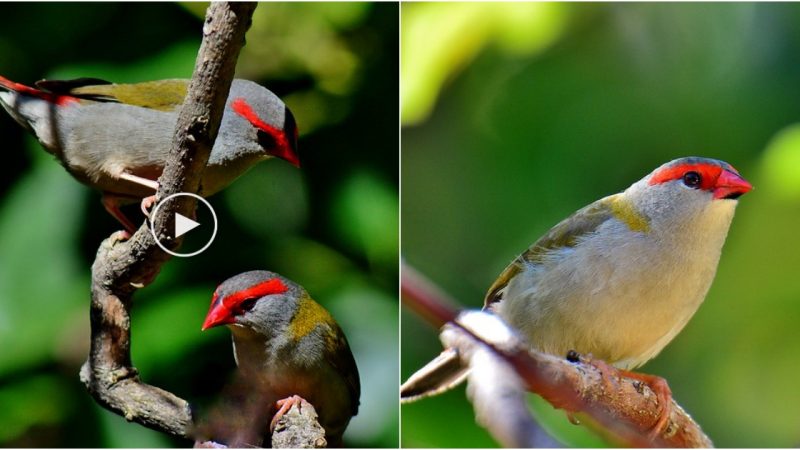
(283,150)
(269,287)
(709,173)
(59,100)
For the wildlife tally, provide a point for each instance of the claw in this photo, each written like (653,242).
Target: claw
(284,405)
(664,394)
(120,236)
(657,384)
(146,204)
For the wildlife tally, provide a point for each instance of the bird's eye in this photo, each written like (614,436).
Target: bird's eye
(248,304)
(692,179)
(266,140)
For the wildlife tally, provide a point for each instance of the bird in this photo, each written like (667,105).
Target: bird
(116,137)
(288,349)
(618,279)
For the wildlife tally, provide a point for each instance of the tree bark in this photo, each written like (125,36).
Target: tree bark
(121,268)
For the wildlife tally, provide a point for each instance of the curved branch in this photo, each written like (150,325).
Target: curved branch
(121,268)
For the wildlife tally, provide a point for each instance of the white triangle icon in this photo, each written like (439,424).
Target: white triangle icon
(184,224)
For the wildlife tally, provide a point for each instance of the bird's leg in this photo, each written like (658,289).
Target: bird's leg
(146,182)
(111,204)
(284,405)
(149,201)
(657,384)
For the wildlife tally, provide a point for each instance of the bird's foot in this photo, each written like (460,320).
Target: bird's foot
(284,405)
(657,384)
(664,395)
(119,236)
(146,204)
(609,374)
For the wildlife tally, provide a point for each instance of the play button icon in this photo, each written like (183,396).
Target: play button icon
(198,234)
(184,224)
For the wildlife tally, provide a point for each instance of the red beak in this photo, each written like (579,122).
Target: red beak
(217,315)
(731,186)
(287,153)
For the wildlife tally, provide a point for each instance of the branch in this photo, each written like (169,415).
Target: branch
(299,428)
(497,392)
(121,268)
(621,408)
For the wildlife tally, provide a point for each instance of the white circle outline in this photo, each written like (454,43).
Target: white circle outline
(183,255)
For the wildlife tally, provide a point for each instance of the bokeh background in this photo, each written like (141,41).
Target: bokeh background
(516,115)
(331,226)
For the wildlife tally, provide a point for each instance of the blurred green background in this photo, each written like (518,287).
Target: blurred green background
(331,226)
(516,115)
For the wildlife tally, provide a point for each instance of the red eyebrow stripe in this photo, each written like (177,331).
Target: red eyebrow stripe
(241,107)
(269,287)
(708,172)
(284,149)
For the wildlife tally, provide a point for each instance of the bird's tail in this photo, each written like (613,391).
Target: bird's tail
(9,85)
(440,375)
(45,93)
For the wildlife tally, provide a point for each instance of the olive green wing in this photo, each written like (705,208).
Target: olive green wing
(565,234)
(162,95)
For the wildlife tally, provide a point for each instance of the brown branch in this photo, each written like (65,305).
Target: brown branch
(425,298)
(121,268)
(497,393)
(621,408)
(299,428)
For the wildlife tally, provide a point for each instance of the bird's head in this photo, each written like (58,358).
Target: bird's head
(703,175)
(260,301)
(689,190)
(270,125)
